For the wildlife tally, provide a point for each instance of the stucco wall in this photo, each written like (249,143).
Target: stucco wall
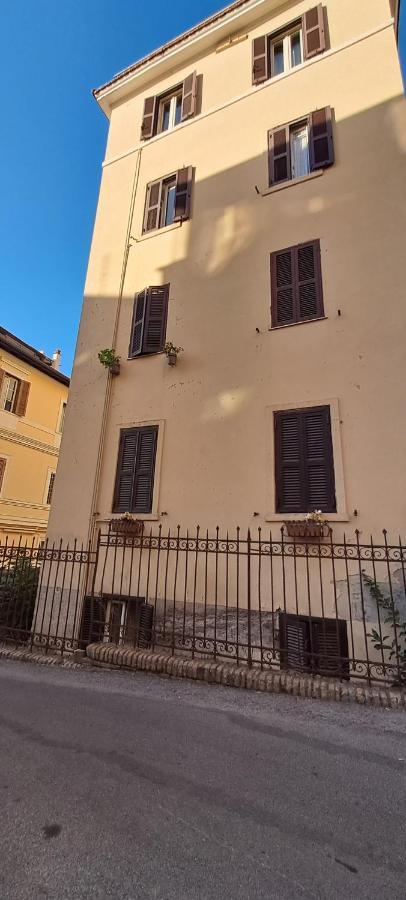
(216,450)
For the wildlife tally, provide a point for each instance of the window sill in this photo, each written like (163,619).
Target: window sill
(331,518)
(155,231)
(287,184)
(145,355)
(139,517)
(300,322)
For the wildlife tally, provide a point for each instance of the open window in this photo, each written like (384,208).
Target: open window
(166,111)
(278,52)
(168,200)
(301,147)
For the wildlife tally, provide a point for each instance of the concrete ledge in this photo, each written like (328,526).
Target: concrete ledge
(272,681)
(41,659)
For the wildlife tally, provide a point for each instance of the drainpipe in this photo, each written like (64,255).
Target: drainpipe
(106,406)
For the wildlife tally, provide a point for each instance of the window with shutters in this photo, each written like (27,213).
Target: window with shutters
(9,393)
(314,644)
(134,487)
(164,112)
(296,287)
(150,313)
(3,463)
(278,52)
(50,488)
(301,147)
(168,200)
(304,465)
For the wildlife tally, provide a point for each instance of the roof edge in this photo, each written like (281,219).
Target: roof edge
(165,48)
(24,353)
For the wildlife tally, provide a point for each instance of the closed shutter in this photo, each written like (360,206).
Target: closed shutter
(282,287)
(314,39)
(127,453)
(93,621)
(148,118)
(155,319)
(304,467)
(189,93)
(289,476)
(50,487)
(152,206)
(146,619)
(260,64)
(144,470)
(309,285)
(137,326)
(135,470)
(2,470)
(22,398)
(294,642)
(318,460)
(279,155)
(321,139)
(330,647)
(183,193)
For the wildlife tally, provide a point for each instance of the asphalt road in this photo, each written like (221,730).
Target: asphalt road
(133,786)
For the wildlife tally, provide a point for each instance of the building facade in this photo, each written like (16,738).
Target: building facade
(33,398)
(251,212)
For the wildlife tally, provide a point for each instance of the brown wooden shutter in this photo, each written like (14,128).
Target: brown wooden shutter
(304,465)
(294,642)
(2,374)
(50,487)
(148,118)
(318,460)
(314,39)
(321,139)
(22,398)
(309,303)
(279,155)
(155,319)
(145,470)
(135,470)
(93,620)
(152,206)
(330,647)
(2,470)
(282,287)
(137,326)
(189,94)
(289,475)
(183,194)
(260,63)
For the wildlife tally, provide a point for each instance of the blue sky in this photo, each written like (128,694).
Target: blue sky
(53,138)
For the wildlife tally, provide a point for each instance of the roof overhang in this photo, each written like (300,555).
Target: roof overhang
(233,19)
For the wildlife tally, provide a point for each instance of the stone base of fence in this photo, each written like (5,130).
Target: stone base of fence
(255,679)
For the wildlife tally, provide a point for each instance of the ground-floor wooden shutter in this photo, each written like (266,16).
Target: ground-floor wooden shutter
(313,644)
(93,620)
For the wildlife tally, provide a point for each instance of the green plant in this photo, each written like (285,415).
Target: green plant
(108,357)
(18,590)
(171,350)
(393,644)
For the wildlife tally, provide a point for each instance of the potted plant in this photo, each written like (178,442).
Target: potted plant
(172,353)
(127,524)
(109,360)
(313,525)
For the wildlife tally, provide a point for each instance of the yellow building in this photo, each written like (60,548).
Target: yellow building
(251,211)
(33,397)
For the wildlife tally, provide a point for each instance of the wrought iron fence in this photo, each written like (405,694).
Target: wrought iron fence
(308,604)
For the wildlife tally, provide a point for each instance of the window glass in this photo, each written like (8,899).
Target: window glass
(170,204)
(166,112)
(295,50)
(278,65)
(178,109)
(9,393)
(299,148)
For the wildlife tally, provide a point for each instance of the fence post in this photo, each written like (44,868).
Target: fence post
(249,649)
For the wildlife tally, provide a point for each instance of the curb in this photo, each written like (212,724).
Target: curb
(225,673)
(39,658)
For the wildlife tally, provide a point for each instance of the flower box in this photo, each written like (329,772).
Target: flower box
(127,527)
(301,528)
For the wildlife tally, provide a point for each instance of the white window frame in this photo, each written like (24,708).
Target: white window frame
(123,619)
(285,39)
(172,111)
(4,392)
(295,129)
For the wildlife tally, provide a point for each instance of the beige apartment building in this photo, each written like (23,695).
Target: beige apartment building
(251,212)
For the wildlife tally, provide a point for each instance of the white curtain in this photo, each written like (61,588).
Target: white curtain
(300,153)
